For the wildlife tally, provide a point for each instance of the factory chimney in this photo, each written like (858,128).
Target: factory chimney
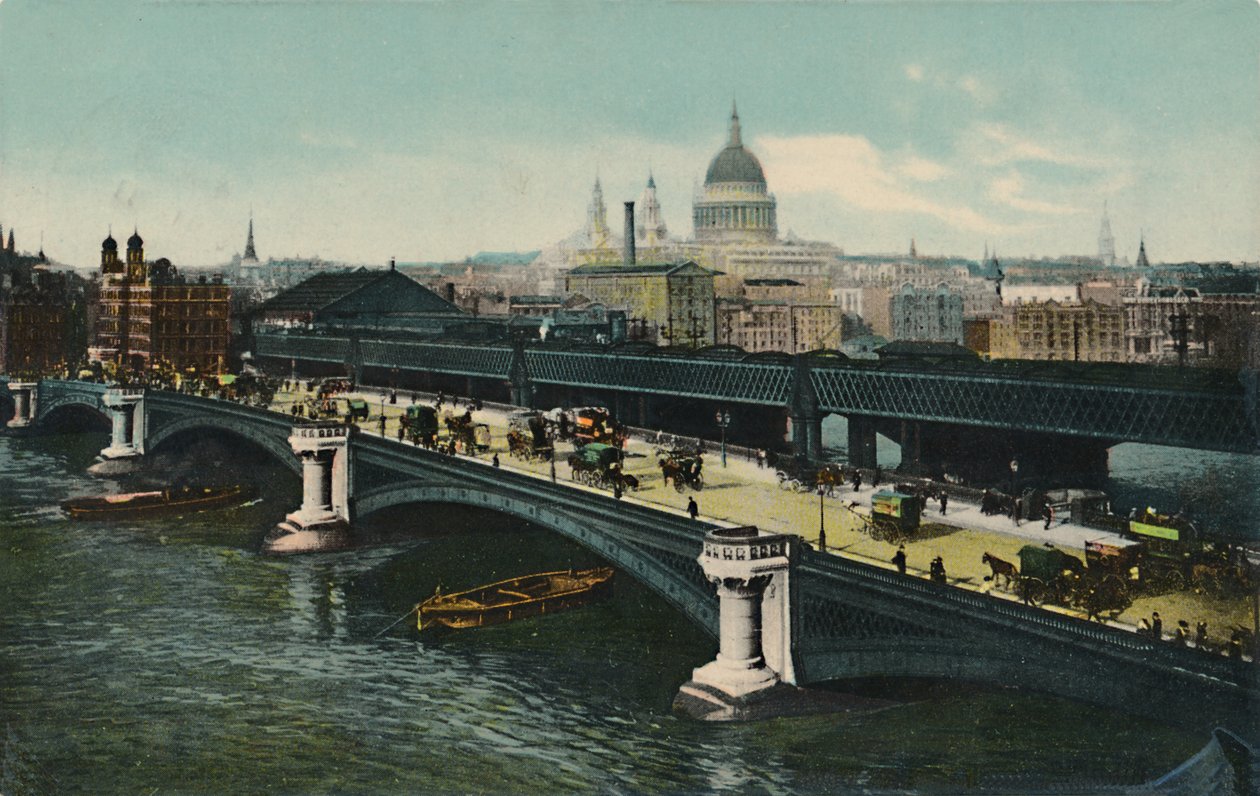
(628,251)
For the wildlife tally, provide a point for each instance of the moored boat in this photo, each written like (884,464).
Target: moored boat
(139,504)
(516,598)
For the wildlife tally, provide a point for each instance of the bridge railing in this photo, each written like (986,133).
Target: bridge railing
(984,608)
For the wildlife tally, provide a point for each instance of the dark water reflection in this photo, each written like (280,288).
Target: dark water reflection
(171,656)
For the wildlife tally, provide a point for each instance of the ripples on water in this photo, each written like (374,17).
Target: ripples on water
(170,655)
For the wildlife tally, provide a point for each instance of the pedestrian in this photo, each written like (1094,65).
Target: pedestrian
(937,570)
(1017,510)
(1157,626)
(1235,645)
(692,509)
(1182,636)
(401,431)
(553,469)
(382,424)
(899,558)
(857,480)
(875,477)
(495,460)
(1200,635)
(1048,513)
(761,458)
(944,501)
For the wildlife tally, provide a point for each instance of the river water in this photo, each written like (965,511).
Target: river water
(170,656)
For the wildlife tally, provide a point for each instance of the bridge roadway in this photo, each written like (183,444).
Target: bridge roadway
(1093,404)
(852,615)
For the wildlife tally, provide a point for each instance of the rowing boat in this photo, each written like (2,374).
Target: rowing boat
(516,598)
(139,504)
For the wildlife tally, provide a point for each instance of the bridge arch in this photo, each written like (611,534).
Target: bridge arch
(48,408)
(696,603)
(278,447)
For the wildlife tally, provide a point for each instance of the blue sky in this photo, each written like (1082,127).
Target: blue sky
(427,130)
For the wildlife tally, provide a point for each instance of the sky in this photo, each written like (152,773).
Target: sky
(434,130)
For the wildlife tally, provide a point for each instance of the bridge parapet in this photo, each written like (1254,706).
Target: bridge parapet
(324,449)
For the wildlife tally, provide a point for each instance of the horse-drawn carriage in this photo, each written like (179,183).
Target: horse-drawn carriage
(1099,584)
(466,434)
(420,424)
(682,469)
(895,515)
(599,464)
(527,436)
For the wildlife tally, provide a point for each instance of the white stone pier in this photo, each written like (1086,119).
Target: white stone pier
(325,452)
(126,411)
(751,571)
(25,394)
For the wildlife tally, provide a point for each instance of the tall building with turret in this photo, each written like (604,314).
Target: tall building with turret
(597,218)
(650,229)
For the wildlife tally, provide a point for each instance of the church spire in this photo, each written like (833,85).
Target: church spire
(1142,262)
(1106,243)
(735,139)
(249,242)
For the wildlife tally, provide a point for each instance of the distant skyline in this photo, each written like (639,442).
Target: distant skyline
(431,131)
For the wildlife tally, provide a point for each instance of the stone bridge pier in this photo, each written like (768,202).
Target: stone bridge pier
(752,573)
(24,394)
(324,449)
(126,413)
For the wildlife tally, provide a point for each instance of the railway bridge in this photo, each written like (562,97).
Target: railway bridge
(948,413)
(785,614)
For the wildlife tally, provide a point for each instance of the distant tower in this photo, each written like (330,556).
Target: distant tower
(1106,243)
(597,218)
(249,242)
(651,227)
(1142,262)
(249,272)
(913,252)
(135,258)
(995,272)
(110,265)
(10,248)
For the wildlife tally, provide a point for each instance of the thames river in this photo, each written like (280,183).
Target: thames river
(171,656)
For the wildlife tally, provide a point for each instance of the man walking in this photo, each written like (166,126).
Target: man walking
(692,509)
(899,558)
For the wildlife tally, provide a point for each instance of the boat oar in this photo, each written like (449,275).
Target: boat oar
(415,608)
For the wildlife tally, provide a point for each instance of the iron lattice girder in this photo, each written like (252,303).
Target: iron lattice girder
(314,348)
(687,377)
(490,361)
(1197,419)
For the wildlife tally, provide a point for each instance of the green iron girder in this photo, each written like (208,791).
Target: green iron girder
(462,360)
(315,348)
(687,377)
(1197,419)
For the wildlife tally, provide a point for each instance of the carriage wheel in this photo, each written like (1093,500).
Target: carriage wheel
(1034,590)
(1116,596)
(698,483)
(679,486)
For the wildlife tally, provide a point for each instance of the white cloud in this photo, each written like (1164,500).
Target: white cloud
(852,169)
(977,90)
(923,170)
(995,144)
(1008,189)
(914,72)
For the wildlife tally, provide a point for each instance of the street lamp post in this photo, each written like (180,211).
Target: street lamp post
(723,420)
(822,527)
(1014,474)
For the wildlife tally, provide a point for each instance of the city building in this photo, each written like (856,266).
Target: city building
(42,315)
(992,337)
(149,315)
(665,303)
(1171,324)
(650,231)
(361,299)
(768,324)
(933,315)
(1076,332)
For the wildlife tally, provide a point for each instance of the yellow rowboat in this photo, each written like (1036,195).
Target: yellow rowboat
(516,598)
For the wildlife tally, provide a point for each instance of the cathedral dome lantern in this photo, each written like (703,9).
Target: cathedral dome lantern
(734,206)
(135,241)
(109,244)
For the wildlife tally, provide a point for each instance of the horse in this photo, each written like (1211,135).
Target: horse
(830,477)
(1000,568)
